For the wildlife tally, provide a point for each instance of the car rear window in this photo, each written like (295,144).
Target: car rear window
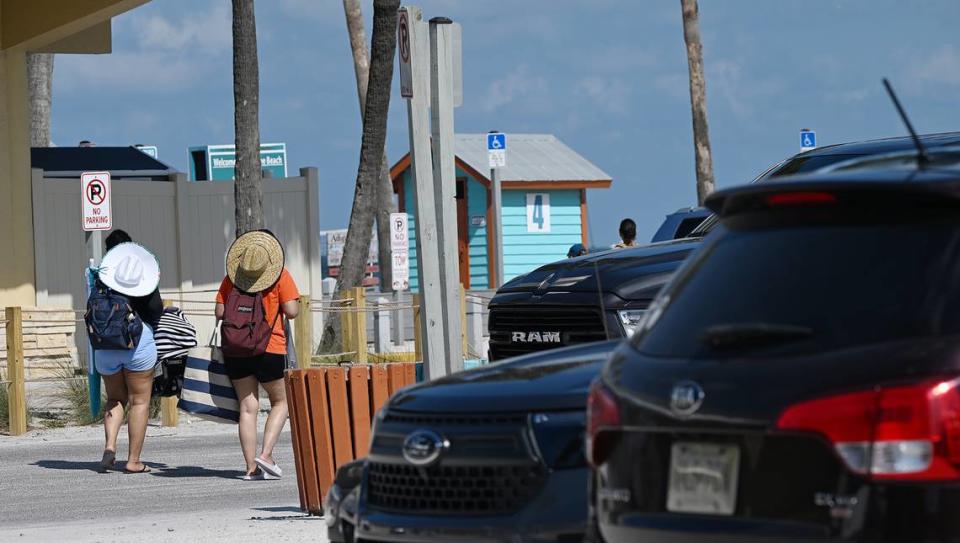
(847,285)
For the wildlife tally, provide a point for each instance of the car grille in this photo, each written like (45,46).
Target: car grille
(453,490)
(575,324)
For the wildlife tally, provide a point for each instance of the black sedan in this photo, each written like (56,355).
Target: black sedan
(799,379)
(493,454)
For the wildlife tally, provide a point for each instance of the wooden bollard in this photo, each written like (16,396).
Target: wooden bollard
(169,415)
(346,320)
(360,325)
(303,333)
(16,389)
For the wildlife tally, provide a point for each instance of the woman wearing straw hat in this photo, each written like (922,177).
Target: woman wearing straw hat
(256,292)
(132,271)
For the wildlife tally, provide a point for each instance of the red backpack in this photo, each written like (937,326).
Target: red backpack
(245,331)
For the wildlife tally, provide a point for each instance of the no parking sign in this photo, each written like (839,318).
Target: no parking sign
(97,205)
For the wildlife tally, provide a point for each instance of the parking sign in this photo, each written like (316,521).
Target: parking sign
(497,149)
(96,202)
(808,140)
(399,251)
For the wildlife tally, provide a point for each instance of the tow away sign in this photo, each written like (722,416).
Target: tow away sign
(97,204)
(399,251)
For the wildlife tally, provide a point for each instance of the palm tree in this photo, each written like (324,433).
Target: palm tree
(384,193)
(359,232)
(698,99)
(40,84)
(246,115)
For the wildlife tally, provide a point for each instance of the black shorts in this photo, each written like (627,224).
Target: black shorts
(266,367)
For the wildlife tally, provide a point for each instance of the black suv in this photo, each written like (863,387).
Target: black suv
(492,454)
(604,295)
(799,379)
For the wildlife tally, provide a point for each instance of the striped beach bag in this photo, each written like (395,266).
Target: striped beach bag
(174,335)
(207,391)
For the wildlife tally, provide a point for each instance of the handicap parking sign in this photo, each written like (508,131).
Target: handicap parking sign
(808,140)
(497,149)
(496,141)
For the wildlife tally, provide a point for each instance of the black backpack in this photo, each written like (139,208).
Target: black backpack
(112,324)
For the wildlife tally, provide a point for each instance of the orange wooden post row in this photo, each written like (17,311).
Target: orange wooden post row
(331,411)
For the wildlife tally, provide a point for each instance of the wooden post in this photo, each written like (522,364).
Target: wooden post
(347,321)
(417,327)
(303,333)
(416,70)
(463,322)
(360,324)
(381,327)
(169,416)
(16,390)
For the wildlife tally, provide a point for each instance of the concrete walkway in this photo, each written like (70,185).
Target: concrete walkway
(50,490)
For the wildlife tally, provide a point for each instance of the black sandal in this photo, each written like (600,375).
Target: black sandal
(108,461)
(146,469)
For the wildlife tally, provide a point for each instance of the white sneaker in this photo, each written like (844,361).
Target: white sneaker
(269,468)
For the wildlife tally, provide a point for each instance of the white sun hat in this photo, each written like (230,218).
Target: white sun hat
(130,269)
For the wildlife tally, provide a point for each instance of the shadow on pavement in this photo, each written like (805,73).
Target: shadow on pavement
(72,465)
(299,516)
(68,465)
(287,509)
(197,472)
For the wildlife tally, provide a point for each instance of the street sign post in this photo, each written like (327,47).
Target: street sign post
(399,251)
(416,41)
(96,216)
(497,154)
(808,140)
(442,74)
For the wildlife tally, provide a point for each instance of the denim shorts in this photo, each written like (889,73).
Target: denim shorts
(143,358)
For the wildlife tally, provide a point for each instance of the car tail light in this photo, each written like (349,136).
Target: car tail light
(907,432)
(801,198)
(603,423)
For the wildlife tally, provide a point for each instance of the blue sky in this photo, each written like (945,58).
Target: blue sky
(607,77)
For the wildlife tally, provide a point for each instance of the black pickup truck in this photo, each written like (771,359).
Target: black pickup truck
(603,295)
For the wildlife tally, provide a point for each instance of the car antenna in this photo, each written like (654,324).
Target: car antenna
(922,158)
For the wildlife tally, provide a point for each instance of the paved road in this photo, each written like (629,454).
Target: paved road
(50,490)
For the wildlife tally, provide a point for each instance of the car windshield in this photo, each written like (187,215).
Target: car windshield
(797,165)
(810,289)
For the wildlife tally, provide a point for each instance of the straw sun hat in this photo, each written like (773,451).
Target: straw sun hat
(130,269)
(255,261)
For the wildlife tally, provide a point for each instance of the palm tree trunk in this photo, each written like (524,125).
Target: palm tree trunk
(40,81)
(698,99)
(246,99)
(356,247)
(384,196)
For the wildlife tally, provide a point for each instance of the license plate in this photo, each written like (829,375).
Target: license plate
(703,478)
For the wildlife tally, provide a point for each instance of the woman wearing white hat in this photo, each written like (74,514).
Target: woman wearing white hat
(253,296)
(132,271)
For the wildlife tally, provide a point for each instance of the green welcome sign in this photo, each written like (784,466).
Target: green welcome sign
(217,162)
